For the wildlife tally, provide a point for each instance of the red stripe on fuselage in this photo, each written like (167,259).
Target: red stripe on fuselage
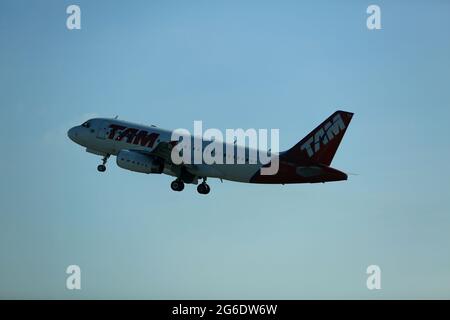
(289,173)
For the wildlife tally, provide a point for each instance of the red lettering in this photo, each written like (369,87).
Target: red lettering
(128,133)
(145,139)
(114,128)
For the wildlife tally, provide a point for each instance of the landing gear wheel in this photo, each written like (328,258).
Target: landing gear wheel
(177,185)
(203,188)
(102,167)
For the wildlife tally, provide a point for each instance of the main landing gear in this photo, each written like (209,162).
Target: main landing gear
(177,185)
(203,188)
(102,167)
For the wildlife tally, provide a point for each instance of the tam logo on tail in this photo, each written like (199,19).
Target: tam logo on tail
(323,135)
(320,145)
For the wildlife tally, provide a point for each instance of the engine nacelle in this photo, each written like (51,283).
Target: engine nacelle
(135,161)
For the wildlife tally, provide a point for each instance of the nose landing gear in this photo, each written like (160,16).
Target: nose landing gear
(102,167)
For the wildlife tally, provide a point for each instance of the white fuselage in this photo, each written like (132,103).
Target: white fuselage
(109,136)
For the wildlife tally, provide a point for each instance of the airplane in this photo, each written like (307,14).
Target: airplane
(147,149)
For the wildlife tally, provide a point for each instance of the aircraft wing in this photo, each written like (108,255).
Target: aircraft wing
(163,150)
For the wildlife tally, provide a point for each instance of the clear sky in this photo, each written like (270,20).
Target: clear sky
(231,64)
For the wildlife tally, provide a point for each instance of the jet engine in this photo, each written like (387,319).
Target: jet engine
(139,162)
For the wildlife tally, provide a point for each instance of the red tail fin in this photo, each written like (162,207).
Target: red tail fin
(321,144)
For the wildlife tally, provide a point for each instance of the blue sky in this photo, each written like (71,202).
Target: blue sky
(231,64)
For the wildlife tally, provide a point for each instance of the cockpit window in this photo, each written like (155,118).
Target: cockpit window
(86,124)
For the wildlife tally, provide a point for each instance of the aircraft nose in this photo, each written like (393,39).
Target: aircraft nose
(72,134)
